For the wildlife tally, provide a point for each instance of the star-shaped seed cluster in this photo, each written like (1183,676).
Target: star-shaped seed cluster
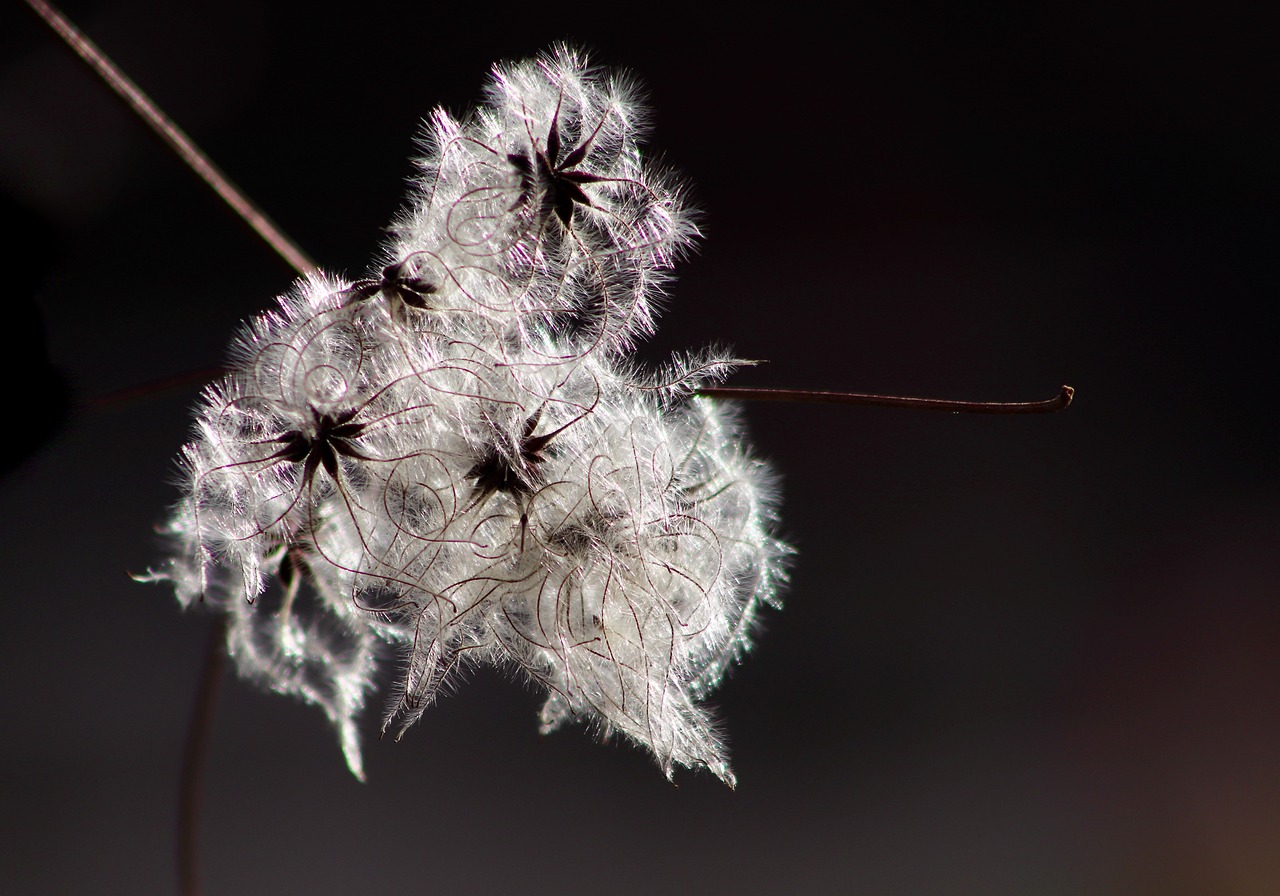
(455,461)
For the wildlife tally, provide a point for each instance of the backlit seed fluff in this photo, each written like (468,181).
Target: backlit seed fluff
(454,461)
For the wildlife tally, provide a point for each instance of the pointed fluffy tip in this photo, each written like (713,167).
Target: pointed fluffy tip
(351,751)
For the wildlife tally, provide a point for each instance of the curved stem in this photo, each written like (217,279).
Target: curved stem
(1057,403)
(193,762)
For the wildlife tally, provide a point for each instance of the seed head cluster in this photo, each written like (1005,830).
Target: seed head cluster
(454,461)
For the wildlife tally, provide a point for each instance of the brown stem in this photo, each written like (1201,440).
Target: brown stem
(1057,403)
(193,762)
(118,398)
(173,137)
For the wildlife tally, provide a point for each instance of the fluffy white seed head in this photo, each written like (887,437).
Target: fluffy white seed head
(454,461)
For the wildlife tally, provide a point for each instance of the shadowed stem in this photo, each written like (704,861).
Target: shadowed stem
(173,137)
(1057,403)
(193,761)
(118,398)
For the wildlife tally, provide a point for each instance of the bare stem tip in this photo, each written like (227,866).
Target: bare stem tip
(1059,402)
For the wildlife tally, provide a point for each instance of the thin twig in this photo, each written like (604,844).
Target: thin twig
(173,137)
(117,398)
(193,762)
(1057,403)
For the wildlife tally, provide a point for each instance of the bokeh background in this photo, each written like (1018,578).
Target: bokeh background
(1020,655)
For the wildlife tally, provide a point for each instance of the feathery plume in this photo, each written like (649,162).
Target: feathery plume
(454,461)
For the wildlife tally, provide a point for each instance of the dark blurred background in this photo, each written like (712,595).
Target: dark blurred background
(1020,655)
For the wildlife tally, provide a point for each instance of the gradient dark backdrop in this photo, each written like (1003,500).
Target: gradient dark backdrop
(1036,655)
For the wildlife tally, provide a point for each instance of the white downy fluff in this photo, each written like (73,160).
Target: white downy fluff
(454,461)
